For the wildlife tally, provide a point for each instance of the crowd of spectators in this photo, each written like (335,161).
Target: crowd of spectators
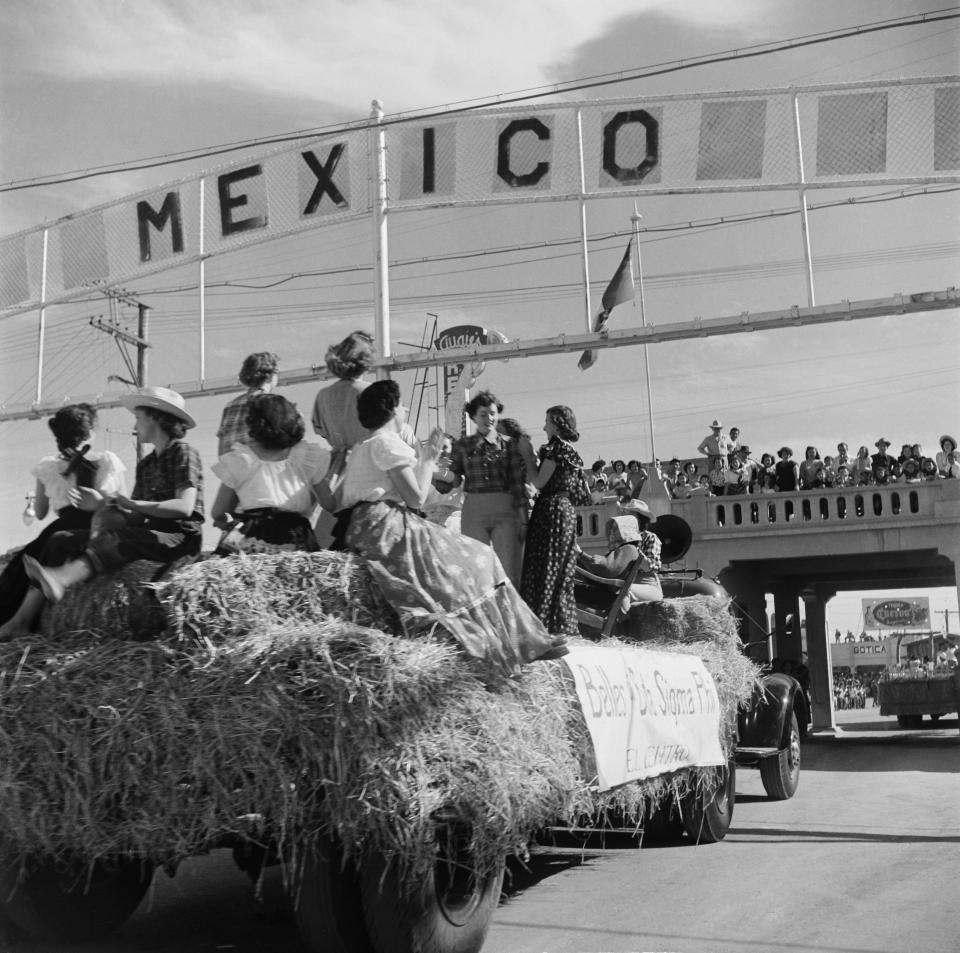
(729,467)
(852,691)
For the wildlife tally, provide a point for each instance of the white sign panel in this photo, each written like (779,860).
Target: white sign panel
(648,713)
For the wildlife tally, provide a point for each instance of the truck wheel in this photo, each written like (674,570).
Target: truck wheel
(781,775)
(69,902)
(448,912)
(328,904)
(708,808)
(664,825)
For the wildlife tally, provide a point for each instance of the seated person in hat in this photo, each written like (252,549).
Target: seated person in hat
(882,460)
(162,520)
(599,578)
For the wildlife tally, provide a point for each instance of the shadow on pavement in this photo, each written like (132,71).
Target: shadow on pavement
(762,834)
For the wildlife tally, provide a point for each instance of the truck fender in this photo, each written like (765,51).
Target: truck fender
(766,722)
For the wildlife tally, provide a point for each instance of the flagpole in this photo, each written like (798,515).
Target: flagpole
(635,219)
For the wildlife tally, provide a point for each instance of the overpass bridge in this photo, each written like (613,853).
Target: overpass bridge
(809,546)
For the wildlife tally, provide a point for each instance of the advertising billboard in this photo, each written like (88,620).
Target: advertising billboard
(899,614)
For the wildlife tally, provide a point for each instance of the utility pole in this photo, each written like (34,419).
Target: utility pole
(138,370)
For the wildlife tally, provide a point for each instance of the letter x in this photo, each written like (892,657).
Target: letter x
(324,174)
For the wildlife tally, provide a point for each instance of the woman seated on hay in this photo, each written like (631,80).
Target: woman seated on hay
(162,522)
(267,496)
(60,478)
(432,577)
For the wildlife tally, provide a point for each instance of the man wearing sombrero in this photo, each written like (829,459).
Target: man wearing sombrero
(881,460)
(716,447)
(163,519)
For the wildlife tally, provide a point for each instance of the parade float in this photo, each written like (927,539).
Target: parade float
(271,704)
(916,691)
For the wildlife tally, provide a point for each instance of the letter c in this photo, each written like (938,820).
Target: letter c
(540,130)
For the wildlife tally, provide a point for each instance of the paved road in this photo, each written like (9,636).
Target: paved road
(864,858)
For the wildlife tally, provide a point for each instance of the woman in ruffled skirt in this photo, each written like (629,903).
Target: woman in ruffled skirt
(437,581)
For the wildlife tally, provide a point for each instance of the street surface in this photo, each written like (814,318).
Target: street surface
(865,859)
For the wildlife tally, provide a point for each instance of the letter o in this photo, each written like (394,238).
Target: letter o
(540,130)
(652,157)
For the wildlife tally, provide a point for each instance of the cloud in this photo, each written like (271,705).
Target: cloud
(409,53)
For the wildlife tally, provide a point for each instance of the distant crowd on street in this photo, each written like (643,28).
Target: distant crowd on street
(729,467)
(852,691)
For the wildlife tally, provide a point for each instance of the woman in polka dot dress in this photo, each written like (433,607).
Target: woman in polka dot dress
(550,556)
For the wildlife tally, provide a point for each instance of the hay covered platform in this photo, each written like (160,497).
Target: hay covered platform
(272,698)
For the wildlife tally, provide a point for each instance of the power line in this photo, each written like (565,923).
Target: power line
(592,82)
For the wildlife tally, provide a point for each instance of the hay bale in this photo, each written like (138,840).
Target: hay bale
(262,713)
(118,605)
(690,619)
(219,599)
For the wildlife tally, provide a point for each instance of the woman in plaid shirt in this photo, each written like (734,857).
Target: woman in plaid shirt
(492,472)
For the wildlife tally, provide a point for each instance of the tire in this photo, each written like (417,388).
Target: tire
(328,904)
(708,808)
(448,912)
(781,775)
(665,824)
(70,902)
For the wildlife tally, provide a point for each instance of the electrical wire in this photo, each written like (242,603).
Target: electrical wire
(419,115)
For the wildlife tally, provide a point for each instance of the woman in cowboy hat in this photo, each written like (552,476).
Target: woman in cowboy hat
(163,519)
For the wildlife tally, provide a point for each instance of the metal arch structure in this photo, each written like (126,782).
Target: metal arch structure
(915,304)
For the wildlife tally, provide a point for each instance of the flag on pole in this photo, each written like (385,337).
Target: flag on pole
(620,289)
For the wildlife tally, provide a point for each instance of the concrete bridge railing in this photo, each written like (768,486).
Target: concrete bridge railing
(782,514)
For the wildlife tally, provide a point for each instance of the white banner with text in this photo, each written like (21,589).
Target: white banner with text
(648,712)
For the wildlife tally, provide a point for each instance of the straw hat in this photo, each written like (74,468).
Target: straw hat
(947,436)
(716,425)
(637,508)
(159,398)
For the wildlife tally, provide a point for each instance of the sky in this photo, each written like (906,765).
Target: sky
(92,83)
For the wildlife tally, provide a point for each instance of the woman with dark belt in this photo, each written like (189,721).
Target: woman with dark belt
(266,495)
(435,579)
(162,522)
(550,555)
(61,482)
